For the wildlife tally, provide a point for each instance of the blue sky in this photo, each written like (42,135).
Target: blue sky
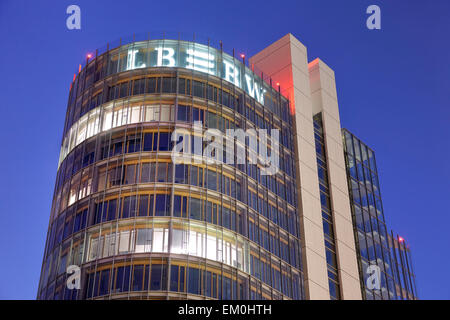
(393,90)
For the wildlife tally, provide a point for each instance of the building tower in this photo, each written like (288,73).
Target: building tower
(187,173)
(143,225)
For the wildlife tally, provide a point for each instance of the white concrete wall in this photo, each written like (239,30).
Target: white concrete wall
(285,61)
(324,99)
(311,88)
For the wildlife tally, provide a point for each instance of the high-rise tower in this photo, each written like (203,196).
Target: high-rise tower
(186,173)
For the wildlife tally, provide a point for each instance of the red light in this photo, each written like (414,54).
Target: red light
(278,84)
(242,56)
(401,239)
(89,55)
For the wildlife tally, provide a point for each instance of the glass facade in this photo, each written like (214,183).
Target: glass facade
(404,278)
(375,246)
(327,212)
(142,227)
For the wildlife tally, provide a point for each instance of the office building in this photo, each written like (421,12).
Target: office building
(269,216)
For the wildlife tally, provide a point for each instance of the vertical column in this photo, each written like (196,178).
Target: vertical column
(324,99)
(285,61)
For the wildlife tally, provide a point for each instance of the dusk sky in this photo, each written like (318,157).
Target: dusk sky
(393,89)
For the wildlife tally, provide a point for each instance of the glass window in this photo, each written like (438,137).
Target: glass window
(143,205)
(163,141)
(214,286)
(174,278)
(177,206)
(162,205)
(226,288)
(134,144)
(334,291)
(90,285)
(155,278)
(158,277)
(138,86)
(160,240)
(151,85)
(182,279)
(195,211)
(138,274)
(129,207)
(124,241)
(371,156)
(182,86)
(146,277)
(168,85)
(116,149)
(123,90)
(194,175)
(148,141)
(183,113)
(144,240)
(193,281)
(180,173)
(197,115)
(98,212)
(208,284)
(148,172)
(357,149)
(162,172)
(130,174)
(208,213)
(327,229)
(226,215)
(212,180)
(112,208)
(166,113)
(123,279)
(198,89)
(77,222)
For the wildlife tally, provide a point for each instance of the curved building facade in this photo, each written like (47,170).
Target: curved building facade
(183,174)
(140,225)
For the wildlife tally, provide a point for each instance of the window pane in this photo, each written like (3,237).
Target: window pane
(182,113)
(163,141)
(193,281)
(195,209)
(174,278)
(177,206)
(162,205)
(144,240)
(143,205)
(137,277)
(155,279)
(123,279)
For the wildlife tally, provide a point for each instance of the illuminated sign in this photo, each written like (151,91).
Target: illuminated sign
(169,53)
